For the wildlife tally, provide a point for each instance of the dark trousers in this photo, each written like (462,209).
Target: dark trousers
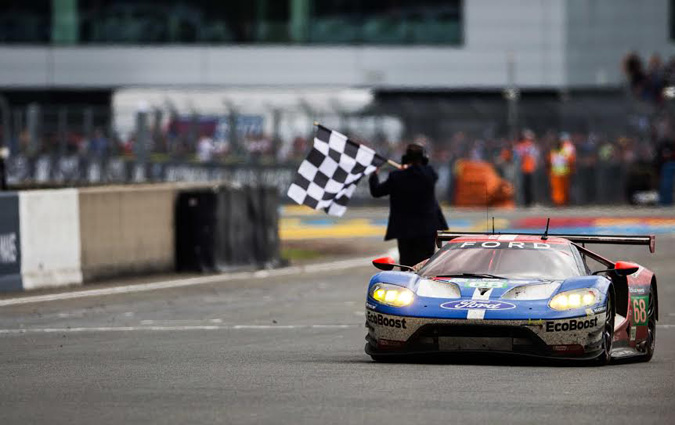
(415,250)
(528,188)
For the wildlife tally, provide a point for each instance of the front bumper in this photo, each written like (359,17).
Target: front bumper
(579,337)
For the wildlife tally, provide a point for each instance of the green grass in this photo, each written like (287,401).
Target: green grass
(299,254)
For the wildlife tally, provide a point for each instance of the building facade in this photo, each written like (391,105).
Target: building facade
(384,45)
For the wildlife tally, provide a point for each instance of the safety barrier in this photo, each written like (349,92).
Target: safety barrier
(10,243)
(126,230)
(50,238)
(221,228)
(54,238)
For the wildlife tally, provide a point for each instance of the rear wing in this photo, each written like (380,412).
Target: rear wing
(649,240)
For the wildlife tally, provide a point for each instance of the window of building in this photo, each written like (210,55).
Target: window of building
(234,21)
(25,21)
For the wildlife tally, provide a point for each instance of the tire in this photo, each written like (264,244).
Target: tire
(607,333)
(383,359)
(651,326)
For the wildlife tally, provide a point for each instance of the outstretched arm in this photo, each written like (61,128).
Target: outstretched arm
(378,189)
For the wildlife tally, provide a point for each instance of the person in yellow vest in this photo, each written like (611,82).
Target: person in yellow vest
(561,166)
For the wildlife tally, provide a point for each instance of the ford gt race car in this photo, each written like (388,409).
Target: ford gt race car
(522,294)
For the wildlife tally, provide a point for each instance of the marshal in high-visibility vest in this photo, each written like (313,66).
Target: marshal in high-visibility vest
(561,167)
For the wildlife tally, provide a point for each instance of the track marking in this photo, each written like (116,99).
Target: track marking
(100,329)
(666,326)
(195,281)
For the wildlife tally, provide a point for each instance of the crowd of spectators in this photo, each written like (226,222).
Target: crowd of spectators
(650,144)
(648,83)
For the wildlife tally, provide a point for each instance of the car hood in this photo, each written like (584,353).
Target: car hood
(497,288)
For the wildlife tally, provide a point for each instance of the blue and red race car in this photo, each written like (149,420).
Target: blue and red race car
(519,294)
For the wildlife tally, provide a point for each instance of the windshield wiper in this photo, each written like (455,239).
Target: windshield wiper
(479,275)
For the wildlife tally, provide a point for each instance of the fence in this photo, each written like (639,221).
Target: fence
(86,145)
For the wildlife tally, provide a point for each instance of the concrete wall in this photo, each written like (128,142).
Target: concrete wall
(50,238)
(126,230)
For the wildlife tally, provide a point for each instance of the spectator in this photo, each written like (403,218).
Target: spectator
(528,154)
(632,67)
(98,145)
(205,149)
(561,166)
(655,80)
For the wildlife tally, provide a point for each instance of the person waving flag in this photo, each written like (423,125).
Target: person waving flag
(328,176)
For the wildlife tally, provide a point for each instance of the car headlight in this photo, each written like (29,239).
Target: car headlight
(393,295)
(577,298)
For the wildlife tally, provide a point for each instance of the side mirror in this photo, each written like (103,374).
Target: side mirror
(388,263)
(621,268)
(625,268)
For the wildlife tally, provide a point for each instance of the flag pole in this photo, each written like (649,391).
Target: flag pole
(389,161)
(394,164)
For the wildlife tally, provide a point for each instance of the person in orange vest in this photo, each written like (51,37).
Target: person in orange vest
(561,166)
(527,153)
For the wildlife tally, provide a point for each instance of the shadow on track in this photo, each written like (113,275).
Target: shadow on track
(473,359)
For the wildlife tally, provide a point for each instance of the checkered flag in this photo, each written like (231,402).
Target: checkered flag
(328,177)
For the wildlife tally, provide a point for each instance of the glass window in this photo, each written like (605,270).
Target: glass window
(233,21)
(25,21)
(517,260)
(386,22)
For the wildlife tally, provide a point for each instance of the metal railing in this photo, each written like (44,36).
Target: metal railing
(80,145)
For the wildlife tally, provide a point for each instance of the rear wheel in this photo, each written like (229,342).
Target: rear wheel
(650,344)
(607,333)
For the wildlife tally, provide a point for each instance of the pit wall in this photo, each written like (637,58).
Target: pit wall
(126,230)
(68,237)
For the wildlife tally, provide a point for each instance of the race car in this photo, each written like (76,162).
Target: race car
(523,294)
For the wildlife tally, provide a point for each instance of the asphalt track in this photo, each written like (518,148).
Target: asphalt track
(289,350)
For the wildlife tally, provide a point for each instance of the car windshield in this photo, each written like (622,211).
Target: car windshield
(512,259)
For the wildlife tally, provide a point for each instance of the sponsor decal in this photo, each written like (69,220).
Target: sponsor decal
(8,249)
(633,333)
(500,245)
(487,284)
(572,325)
(537,322)
(380,320)
(640,303)
(477,305)
(638,290)
(371,306)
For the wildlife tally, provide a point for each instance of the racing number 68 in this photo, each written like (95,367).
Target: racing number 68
(639,310)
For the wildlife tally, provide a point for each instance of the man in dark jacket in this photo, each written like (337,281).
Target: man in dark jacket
(414,213)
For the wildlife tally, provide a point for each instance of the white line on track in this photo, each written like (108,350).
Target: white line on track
(666,326)
(170,328)
(178,283)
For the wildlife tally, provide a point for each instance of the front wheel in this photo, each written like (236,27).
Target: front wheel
(607,333)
